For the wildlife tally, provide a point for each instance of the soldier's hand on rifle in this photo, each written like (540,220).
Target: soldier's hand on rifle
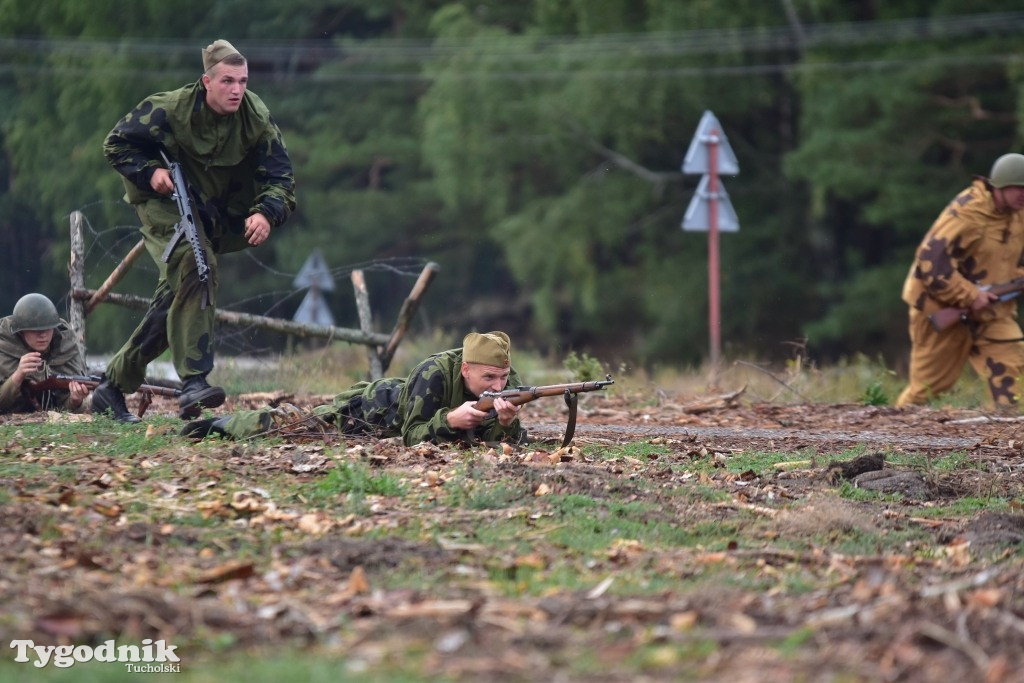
(257,229)
(161,181)
(465,416)
(29,363)
(983,299)
(506,411)
(78,393)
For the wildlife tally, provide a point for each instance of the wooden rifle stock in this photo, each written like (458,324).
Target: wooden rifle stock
(944,318)
(62,382)
(521,395)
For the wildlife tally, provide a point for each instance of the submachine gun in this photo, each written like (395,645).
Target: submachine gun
(188,227)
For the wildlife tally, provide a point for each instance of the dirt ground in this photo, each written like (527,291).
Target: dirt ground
(220,542)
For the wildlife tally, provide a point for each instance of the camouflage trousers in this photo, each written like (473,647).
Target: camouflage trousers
(365,408)
(175,319)
(937,359)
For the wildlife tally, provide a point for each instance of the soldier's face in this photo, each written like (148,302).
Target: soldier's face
(37,340)
(225,84)
(1013,197)
(480,378)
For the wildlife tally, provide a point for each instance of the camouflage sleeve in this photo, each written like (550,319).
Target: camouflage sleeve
(946,254)
(274,178)
(491,430)
(131,146)
(9,395)
(426,411)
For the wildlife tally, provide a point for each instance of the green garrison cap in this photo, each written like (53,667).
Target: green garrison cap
(216,52)
(491,348)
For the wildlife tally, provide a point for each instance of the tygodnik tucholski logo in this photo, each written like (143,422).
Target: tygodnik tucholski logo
(153,657)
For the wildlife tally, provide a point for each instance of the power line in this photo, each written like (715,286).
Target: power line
(537,47)
(553,74)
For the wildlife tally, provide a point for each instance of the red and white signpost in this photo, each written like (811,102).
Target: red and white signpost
(710,209)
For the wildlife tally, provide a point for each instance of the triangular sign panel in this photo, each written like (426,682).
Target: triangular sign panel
(314,273)
(697,155)
(697,217)
(313,309)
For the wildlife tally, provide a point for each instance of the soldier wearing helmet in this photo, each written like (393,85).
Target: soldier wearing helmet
(977,240)
(35,344)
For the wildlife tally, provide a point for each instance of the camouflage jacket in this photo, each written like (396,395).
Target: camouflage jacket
(61,358)
(417,407)
(971,243)
(236,163)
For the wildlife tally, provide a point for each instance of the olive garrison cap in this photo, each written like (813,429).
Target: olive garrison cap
(491,348)
(216,52)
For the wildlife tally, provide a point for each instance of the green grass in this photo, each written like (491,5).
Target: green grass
(965,507)
(473,495)
(355,479)
(255,667)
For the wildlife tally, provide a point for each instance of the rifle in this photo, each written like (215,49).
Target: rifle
(188,227)
(947,317)
(61,382)
(521,395)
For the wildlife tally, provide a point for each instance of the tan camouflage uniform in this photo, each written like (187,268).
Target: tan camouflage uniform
(414,407)
(236,165)
(971,243)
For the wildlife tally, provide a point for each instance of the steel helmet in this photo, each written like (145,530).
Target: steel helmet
(34,312)
(1008,170)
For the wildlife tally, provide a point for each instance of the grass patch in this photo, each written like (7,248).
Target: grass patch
(355,479)
(252,667)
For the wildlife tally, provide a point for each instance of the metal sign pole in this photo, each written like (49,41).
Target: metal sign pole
(710,209)
(714,324)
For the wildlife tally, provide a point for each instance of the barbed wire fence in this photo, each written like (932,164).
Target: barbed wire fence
(103,250)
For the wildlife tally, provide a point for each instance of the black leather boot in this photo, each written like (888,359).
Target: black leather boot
(107,398)
(200,429)
(196,394)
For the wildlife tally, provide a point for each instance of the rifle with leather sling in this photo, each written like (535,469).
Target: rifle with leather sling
(63,382)
(520,395)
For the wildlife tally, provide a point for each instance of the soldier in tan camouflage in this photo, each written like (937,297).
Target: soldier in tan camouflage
(434,403)
(234,158)
(978,240)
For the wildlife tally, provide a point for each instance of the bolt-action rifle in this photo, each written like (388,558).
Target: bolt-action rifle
(521,395)
(945,318)
(188,227)
(63,382)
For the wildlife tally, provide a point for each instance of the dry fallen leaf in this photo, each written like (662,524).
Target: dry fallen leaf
(107,509)
(358,584)
(226,572)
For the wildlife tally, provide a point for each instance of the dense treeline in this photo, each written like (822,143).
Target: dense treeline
(533,150)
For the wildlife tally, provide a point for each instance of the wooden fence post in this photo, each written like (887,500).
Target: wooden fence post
(76,273)
(366,322)
(409,306)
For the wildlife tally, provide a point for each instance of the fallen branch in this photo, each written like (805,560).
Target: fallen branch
(985,418)
(950,639)
(760,369)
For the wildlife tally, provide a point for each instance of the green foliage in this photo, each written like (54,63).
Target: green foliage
(584,367)
(533,150)
(874,395)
